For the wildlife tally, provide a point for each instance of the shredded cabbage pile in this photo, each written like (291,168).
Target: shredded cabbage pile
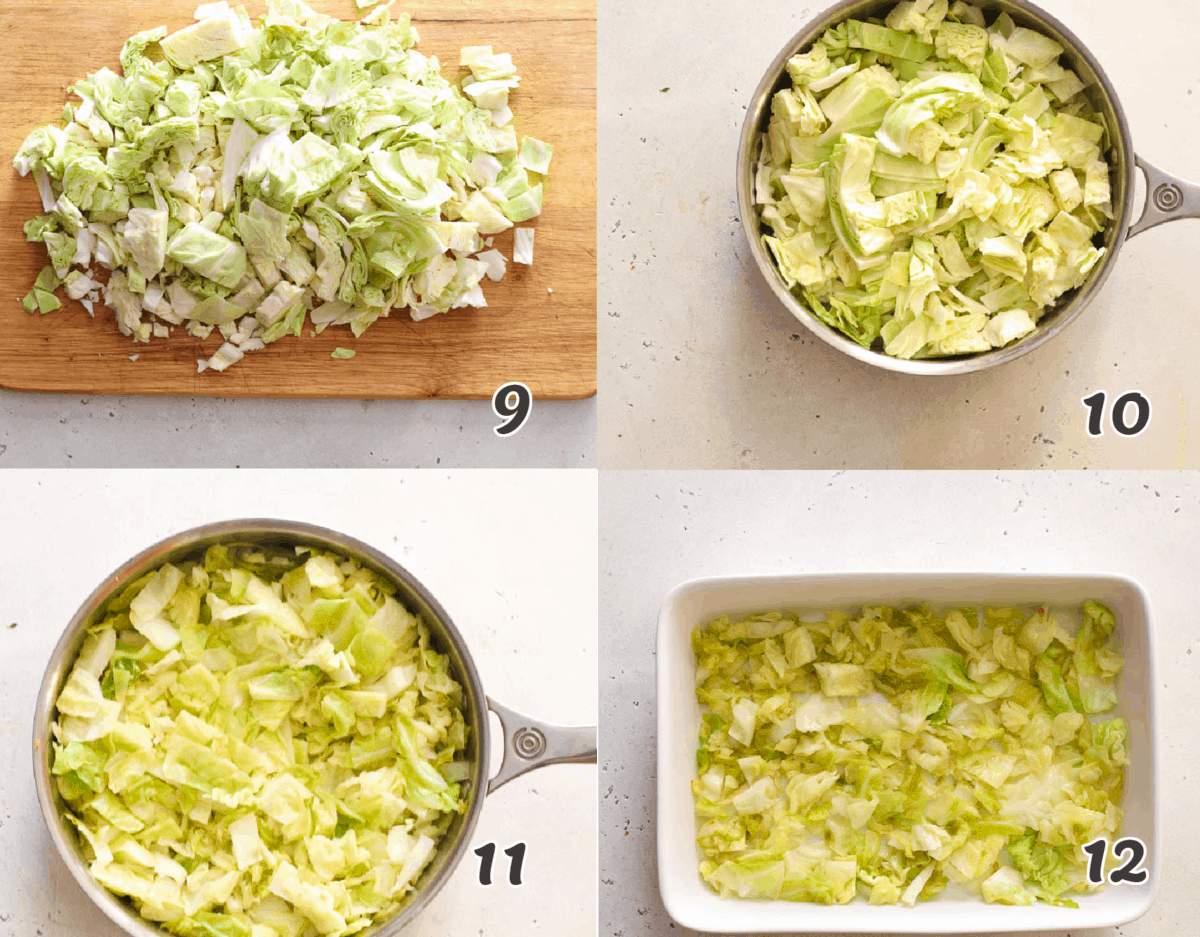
(892,753)
(244,178)
(260,742)
(933,184)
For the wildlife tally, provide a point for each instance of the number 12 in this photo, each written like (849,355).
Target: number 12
(1129,872)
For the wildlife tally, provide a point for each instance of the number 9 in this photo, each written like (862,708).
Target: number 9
(516,414)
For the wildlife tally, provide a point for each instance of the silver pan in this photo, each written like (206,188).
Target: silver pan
(1167,198)
(528,743)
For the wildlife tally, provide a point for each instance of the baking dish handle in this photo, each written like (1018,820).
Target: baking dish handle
(1168,198)
(530,744)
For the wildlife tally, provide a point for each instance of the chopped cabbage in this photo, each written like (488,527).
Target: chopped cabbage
(246,177)
(260,740)
(932,185)
(523,246)
(893,752)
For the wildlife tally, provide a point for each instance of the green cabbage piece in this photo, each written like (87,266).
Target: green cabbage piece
(1040,863)
(209,254)
(260,740)
(235,157)
(931,184)
(890,752)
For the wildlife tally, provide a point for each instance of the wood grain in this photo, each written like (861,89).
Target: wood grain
(527,333)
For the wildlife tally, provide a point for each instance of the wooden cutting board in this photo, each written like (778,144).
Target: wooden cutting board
(540,323)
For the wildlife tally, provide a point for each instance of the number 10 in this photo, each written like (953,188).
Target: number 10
(1141,417)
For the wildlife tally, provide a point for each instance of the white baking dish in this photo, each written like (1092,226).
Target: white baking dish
(689,900)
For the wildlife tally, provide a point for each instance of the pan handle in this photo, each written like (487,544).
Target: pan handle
(530,744)
(1168,198)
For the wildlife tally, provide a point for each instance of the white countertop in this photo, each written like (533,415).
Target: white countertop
(512,557)
(61,430)
(702,367)
(659,529)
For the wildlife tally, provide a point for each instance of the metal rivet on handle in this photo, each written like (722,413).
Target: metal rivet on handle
(1167,197)
(529,743)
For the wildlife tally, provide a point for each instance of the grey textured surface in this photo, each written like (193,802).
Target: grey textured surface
(510,555)
(50,430)
(700,365)
(658,529)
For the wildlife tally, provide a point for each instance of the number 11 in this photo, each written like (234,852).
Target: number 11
(516,857)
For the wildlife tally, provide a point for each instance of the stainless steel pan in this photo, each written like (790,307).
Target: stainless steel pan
(1167,198)
(528,743)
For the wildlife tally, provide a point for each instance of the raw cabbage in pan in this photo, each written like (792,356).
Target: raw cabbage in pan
(933,183)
